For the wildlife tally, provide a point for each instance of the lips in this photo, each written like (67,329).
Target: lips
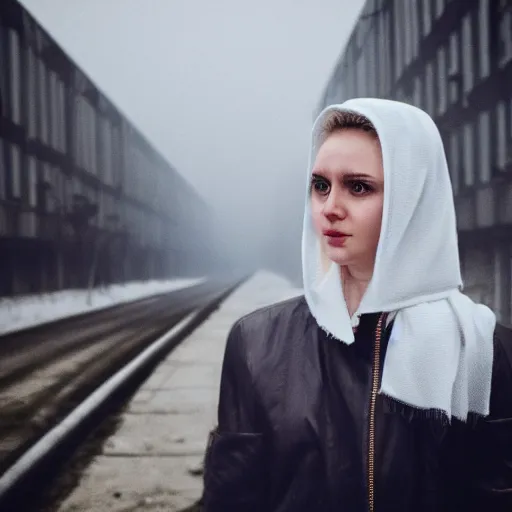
(335,238)
(334,234)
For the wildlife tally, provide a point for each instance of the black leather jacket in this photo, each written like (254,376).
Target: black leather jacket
(301,428)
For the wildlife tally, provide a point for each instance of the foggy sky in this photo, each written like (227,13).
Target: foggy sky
(225,89)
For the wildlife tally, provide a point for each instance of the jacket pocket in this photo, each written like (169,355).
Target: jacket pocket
(235,473)
(493,464)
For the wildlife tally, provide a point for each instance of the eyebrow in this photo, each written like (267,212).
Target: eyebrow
(348,174)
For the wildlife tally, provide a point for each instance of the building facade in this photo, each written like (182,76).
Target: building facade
(452,58)
(83,196)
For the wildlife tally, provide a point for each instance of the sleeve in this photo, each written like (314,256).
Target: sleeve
(490,443)
(235,468)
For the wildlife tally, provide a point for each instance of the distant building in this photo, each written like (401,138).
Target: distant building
(80,187)
(452,58)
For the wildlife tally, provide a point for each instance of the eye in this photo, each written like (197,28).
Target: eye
(320,185)
(360,188)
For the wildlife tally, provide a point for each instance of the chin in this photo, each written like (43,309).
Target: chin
(338,255)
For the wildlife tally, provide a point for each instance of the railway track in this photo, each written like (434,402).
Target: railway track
(47,374)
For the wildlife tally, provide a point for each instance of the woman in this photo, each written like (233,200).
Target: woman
(383,388)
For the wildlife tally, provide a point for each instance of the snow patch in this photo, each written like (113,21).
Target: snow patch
(262,289)
(21,312)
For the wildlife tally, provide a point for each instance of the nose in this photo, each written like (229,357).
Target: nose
(334,208)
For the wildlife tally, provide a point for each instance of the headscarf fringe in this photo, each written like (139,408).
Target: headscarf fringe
(411,413)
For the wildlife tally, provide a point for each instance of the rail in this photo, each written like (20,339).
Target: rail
(40,421)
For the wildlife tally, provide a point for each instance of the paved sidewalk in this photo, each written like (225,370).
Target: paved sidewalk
(152,462)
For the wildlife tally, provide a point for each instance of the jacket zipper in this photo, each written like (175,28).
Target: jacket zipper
(371,430)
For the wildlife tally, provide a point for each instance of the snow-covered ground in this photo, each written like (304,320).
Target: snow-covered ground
(21,312)
(27,311)
(265,288)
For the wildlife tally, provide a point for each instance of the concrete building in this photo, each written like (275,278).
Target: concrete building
(83,195)
(452,58)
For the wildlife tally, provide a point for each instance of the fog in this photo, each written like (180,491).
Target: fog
(226,90)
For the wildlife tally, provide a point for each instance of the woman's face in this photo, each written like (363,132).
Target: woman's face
(347,193)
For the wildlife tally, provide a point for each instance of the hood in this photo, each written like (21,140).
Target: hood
(417,257)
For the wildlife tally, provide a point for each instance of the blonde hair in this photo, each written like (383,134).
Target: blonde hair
(339,120)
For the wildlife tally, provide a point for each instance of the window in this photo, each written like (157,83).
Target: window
(85,129)
(376,58)
(4,100)
(381,55)
(90,137)
(408,33)
(484,47)
(509,283)
(77,131)
(2,170)
(86,120)
(454,68)
(58,112)
(501,135)
(499,282)
(503,282)
(442,103)
(116,156)
(67,185)
(108,149)
(52,108)
(48,178)
(398,33)
(469,161)
(484,146)
(62,116)
(388,69)
(509,138)
(43,103)
(85,135)
(15,74)
(455,161)
(418,88)
(55,110)
(15,171)
(505,32)
(77,187)
(467,54)
(429,86)
(53,195)
(427,17)
(62,186)
(415,31)
(101,208)
(32,94)
(439,6)
(32,182)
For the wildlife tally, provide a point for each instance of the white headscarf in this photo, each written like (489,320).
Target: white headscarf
(440,352)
